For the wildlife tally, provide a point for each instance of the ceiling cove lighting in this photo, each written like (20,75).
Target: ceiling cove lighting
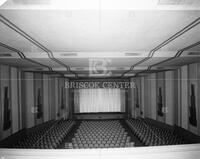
(104,4)
(124,4)
(2,2)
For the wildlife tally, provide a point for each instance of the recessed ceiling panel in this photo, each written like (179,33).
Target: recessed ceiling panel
(47,61)
(180,61)
(90,30)
(153,61)
(17,62)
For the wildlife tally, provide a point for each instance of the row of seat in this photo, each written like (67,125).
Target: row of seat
(100,134)
(167,135)
(33,135)
(151,135)
(107,145)
(51,138)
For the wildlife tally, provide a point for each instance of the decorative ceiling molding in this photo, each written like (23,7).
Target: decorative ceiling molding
(178,54)
(32,40)
(106,5)
(173,37)
(22,56)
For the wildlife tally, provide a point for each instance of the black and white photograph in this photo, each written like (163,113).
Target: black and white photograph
(100,79)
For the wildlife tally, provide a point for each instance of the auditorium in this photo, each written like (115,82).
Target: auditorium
(100,79)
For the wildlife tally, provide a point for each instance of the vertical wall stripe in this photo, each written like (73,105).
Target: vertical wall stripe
(49,99)
(184,97)
(66,99)
(29,99)
(19,99)
(52,99)
(160,84)
(192,80)
(62,110)
(198,92)
(146,105)
(128,98)
(132,99)
(169,92)
(23,101)
(147,97)
(14,100)
(1,122)
(176,97)
(138,85)
(142,96)
(45,98)
(10,97)
(56,99)
(5,82)
(153,96)
(38,85)
(179,98)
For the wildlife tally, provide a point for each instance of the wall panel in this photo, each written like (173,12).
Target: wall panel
(6,116)
(160,96)
(52,98)
(169,95)
(137,97)
(20,98)
(46,97)
(184,97)
(132,100)
(61,97)
(176,97)
(142,97)
(29,100)
(147,96)
(198,97)
(179,108)
(57,114)
(14,99)
(192,104)
(153,96)
(129,94)
(67,101)
(38,98)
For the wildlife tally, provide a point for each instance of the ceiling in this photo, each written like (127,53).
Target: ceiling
(97,39)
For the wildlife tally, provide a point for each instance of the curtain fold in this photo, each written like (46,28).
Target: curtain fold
(99,100)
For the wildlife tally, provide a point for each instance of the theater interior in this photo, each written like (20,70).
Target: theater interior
(100,79)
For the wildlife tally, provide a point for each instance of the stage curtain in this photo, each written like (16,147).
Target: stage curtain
(99,100)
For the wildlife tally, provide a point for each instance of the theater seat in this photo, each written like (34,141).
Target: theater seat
(101,134)
(151,135)
(49,136)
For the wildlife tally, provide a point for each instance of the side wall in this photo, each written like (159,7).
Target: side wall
(28,99)
(171,97)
